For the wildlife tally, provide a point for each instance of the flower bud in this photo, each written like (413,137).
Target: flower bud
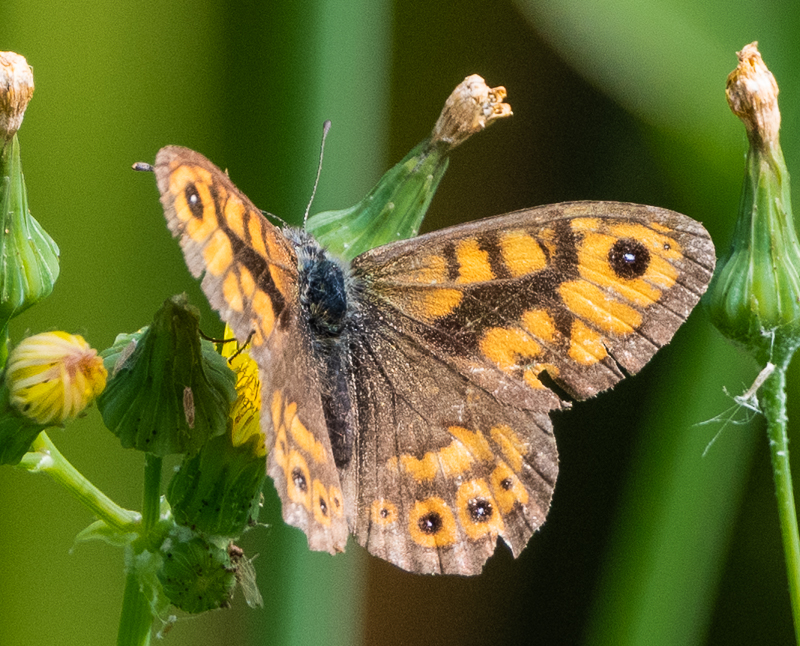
(754,298)
(52,377)
(195,574)
(395,207)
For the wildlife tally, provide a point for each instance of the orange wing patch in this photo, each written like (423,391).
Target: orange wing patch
(477,510)
(431,523)
(473,262)
(521,253)
(586,345)
(507,347)
(507,488)
(591,303)
(383,512)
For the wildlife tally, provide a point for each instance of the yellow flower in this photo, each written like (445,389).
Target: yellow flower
(246,410)
(52,377)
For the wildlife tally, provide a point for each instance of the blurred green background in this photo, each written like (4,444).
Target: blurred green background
(648,542)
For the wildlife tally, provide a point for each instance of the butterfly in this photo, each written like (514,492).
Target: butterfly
(406,394)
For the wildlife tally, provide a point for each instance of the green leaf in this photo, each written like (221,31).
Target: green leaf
(169,392)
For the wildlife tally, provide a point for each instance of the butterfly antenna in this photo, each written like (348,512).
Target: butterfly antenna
(325,129)
(143,166)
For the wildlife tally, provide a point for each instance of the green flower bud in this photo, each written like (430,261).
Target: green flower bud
(218,491)
(196,575)
(169,392)
(28,255)
(395,207)
(754,298)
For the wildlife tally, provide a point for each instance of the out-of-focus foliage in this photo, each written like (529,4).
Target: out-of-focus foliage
(648,541)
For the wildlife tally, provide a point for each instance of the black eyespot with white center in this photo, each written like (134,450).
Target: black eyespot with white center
(194,201)
(299,479)
(323,507)
(480,510)
(629,258)
(430,523)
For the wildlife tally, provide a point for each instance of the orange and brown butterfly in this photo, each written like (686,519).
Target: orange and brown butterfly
(405,396)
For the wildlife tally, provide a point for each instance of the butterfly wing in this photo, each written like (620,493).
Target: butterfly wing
(455,333)
(250,277)
(440,467)
(576,290)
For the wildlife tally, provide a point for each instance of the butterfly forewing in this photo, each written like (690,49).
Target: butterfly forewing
(576,290)
(250,278)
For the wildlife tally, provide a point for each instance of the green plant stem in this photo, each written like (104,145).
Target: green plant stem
(772,397)
(151,505)
(136,619)
(44,457)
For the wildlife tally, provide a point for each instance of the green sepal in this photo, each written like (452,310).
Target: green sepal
(100,531)
(28,255)
(168,391)
(17,432)
(196,575)
(392,210)
(218,491)
(754,298)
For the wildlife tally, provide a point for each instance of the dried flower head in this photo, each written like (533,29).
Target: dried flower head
(753,97)
(16,90)
(470,108)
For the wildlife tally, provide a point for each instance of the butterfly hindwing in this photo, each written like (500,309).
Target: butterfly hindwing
(300,460)
(441,468)
(250,278)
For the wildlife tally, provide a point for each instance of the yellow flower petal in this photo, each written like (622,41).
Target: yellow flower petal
(54,376)
(246,410)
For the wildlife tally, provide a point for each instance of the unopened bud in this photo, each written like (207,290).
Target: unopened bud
(754,298)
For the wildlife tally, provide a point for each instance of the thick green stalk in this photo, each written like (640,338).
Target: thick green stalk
(152,491)
(44,457)
(772,397)
(136,618)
